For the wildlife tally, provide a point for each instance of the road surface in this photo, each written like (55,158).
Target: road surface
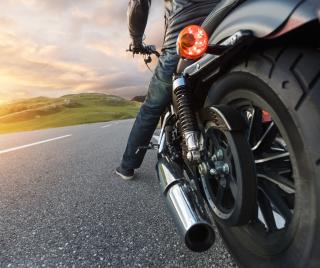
(61,205)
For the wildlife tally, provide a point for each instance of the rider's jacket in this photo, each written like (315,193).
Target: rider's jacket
(178,14)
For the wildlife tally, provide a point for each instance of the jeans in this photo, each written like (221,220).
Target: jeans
(158,98)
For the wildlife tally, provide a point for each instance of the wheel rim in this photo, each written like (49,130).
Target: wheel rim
(272,229)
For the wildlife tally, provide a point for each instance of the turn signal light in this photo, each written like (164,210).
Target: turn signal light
(192,42)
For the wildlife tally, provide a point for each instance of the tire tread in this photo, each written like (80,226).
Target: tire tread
(293,74)
(296,71)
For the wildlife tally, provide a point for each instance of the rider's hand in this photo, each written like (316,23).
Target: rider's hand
(137,47)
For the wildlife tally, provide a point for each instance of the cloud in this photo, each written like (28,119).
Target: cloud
(33,68)
(5,23)
(104,15)
(27,64)
(56,47)
(48,4)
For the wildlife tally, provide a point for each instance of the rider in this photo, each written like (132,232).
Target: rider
(178,14)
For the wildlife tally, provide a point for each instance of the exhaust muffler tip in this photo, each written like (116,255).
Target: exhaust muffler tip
(186,207)
(200,237)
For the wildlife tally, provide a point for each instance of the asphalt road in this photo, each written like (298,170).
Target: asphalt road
(61,204)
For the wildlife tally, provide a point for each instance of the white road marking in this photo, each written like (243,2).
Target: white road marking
(33,144)
(105,126)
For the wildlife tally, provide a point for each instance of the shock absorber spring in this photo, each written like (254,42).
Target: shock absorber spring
(186,116)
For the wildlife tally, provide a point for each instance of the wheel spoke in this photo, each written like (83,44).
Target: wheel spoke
(251,124)
(255,126)
(267,212)
(283,183)
(277,202)
(267,138)
(273,157)
(277,149)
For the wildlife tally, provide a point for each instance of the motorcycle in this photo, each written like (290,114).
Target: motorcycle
(239,144)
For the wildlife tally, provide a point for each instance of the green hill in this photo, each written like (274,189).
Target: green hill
(43,112)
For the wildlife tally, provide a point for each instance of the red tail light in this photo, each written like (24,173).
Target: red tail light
(192,42)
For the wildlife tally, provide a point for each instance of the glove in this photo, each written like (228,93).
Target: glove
(137,47)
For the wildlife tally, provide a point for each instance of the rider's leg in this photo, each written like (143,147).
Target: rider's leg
(158,97)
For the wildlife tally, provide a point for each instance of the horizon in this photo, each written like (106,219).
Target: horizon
(9,102)
(58,47)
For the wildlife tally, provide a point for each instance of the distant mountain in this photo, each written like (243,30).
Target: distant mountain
(138,98)
(43,112)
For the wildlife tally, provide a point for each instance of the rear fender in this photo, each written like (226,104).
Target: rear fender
(267,18)
(306,12)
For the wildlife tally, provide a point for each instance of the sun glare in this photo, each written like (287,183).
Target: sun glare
(6,81)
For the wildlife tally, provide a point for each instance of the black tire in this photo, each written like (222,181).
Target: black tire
(287,82)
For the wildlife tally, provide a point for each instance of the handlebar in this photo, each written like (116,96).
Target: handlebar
(145,50)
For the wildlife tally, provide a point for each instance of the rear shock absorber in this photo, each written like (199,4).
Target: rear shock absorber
(187,118)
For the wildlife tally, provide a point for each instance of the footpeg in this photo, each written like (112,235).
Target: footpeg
(151,146)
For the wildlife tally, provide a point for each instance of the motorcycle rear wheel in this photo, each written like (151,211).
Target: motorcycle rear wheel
(285,84)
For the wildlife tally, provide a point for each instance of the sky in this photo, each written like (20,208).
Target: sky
(57,47)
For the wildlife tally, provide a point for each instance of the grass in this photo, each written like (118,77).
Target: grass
(42,112)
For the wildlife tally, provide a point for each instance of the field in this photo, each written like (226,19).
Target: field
(43,112)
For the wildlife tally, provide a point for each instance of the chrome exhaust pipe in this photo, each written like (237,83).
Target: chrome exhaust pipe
(185,206)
